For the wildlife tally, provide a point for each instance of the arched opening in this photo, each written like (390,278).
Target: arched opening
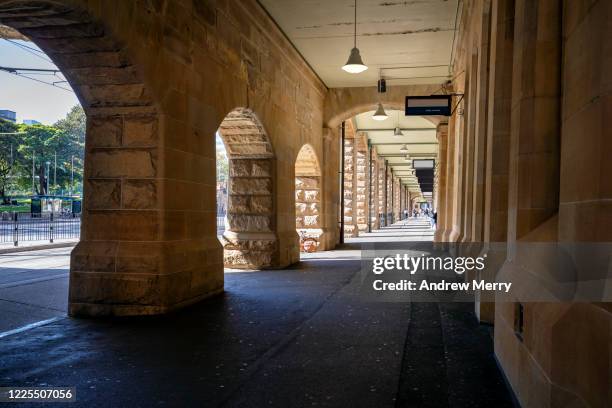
(308,199)
(249,240)
(383,170)
(120,247)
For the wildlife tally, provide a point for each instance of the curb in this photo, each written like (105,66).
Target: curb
(37,247)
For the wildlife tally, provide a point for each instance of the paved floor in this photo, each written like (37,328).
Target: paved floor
(292,338)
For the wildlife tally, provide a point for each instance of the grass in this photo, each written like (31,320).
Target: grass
(22,208)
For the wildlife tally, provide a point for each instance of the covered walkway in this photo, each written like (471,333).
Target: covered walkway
(302,335)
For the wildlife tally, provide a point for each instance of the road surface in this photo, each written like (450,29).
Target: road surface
(33,287)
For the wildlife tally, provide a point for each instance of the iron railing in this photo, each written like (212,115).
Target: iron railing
(220,223)
(19,227)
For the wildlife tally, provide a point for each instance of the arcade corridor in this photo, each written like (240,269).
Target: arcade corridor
(338,120)
(256,345)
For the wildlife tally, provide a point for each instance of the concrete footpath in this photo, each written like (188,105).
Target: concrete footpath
(298,337)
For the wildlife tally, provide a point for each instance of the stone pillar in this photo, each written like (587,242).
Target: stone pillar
(456,131)
(471,103)
(374,185)
(535,124)
(307,205)
(382,200)
(440,186)
(362,182)
(148,238)
(308,214)
(330,188)
(397,193)
(480,127)
(450,194)
(497,145)
(553,337)
(350,184)
(249,241)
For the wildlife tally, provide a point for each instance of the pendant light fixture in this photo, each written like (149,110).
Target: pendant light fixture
(397,131)
(404,148)
(355,65)
(407,158)
(380,113)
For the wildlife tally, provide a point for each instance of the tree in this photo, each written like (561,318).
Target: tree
(9,141)
(40,144)
(75,127)
(27,149)
(5,173)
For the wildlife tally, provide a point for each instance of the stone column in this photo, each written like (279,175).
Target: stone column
(533,202)
(362,181)
(468,146)
(535,124)
(440,186)
(330,199)
(450,194)
(382,201)
(374,185)
(148,238)
(350,185)
(249,241)
(397,187)
(497,145)
(480,128)
(456,132)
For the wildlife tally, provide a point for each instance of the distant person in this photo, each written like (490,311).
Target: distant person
(434,220)
(405,214)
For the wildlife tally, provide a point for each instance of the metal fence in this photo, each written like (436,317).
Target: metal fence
(220,223)
(19,227)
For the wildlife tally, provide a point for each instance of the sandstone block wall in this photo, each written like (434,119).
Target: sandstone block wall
(156,80)
(524,163)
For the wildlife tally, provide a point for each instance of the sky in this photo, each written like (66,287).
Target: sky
(33,100)
(30,99)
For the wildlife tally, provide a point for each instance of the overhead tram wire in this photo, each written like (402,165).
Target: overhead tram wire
(24,72)
(31,50)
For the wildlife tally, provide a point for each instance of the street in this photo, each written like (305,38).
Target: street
(33,287)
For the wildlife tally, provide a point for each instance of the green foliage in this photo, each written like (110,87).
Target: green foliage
(30,148)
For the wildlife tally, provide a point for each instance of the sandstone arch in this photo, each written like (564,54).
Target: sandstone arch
(128,235)
(343,103)
(249,240)
(308,212)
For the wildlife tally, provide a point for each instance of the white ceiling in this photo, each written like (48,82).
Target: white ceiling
(419,135)
(390,33)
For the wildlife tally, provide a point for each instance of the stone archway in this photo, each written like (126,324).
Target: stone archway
(308,212)
(128,238)
(249,240)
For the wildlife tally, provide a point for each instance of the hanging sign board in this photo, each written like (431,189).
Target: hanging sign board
(428,105)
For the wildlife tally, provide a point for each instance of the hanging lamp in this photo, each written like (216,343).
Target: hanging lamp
(404,148)
(397,131)
(380,113)
(355,64)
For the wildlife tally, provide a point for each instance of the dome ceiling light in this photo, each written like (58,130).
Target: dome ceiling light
(355,64)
